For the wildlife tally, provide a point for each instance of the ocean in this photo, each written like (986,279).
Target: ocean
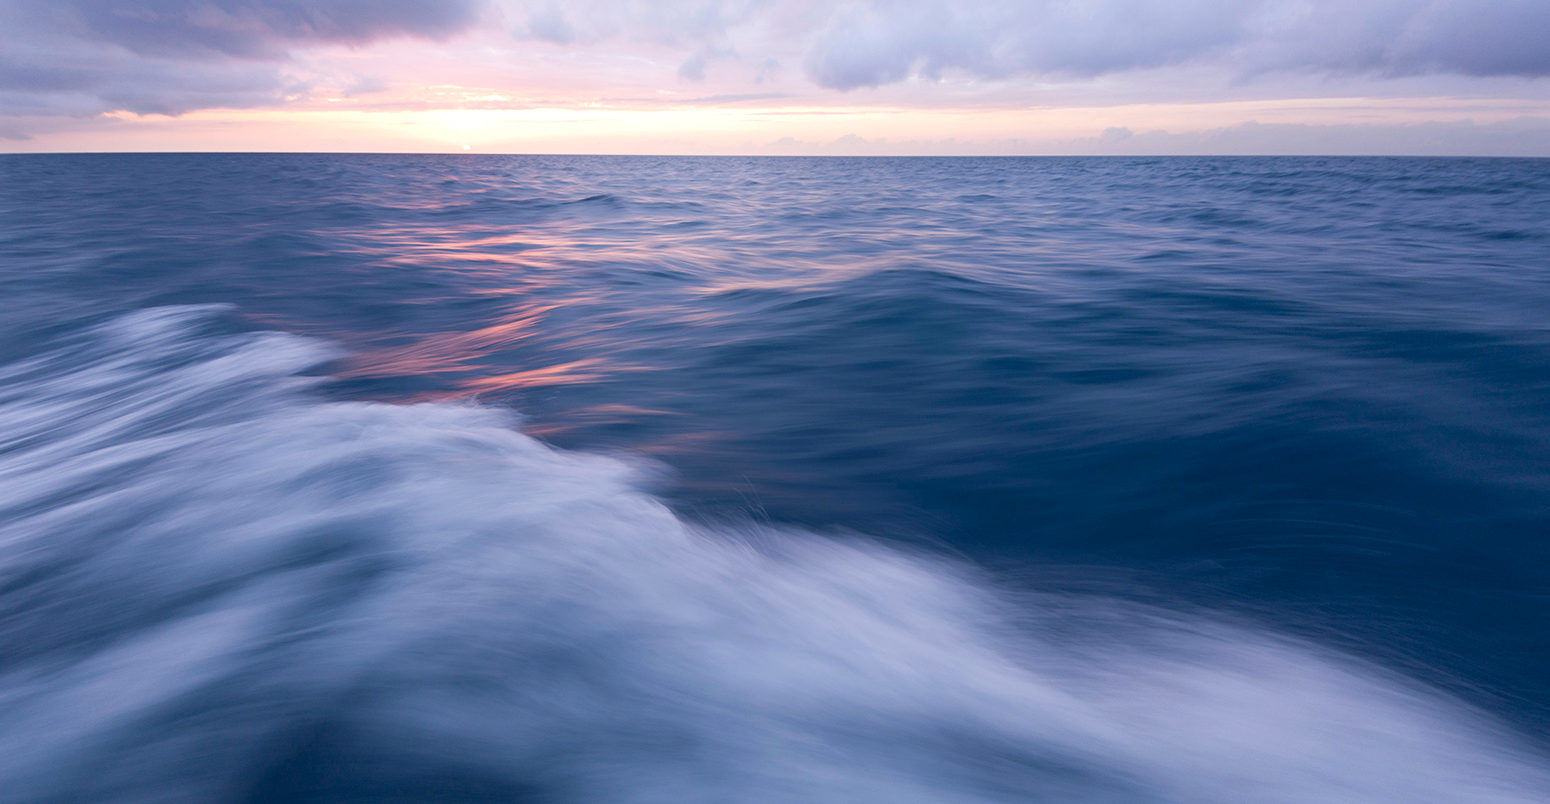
(640,479)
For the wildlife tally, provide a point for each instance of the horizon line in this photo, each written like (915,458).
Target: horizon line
(1331,155)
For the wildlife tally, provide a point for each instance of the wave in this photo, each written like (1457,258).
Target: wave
(216,585)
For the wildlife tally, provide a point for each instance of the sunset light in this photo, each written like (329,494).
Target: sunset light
(791,78)
(775,401)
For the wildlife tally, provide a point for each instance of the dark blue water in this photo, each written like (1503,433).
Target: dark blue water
(640,479)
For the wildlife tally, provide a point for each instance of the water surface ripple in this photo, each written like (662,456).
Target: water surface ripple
(682,479)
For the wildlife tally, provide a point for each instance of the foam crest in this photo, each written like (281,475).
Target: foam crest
(214,586)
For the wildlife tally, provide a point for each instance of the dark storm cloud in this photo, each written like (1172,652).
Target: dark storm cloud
(875,43)
(246,28)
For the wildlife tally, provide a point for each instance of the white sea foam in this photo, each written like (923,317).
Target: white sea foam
(215,586)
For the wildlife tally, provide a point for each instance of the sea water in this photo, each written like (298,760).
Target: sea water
(453,478)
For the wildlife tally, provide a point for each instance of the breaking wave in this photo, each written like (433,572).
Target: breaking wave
(216,584)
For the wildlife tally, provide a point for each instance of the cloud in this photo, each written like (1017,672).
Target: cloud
(1501,37)
(58,79)
(548,23)
(867,43)
(1523,136)
(86,57)
(693,68)
(670,23)
(878,43)
(259,29)
(365,85)
(754,33)
(768,70)
(874,43)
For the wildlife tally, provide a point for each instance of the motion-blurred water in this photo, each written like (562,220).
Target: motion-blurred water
(638,479)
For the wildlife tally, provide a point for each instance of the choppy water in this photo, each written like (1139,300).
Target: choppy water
(634,479)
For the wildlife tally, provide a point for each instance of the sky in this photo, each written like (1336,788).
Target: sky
(1430,77)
